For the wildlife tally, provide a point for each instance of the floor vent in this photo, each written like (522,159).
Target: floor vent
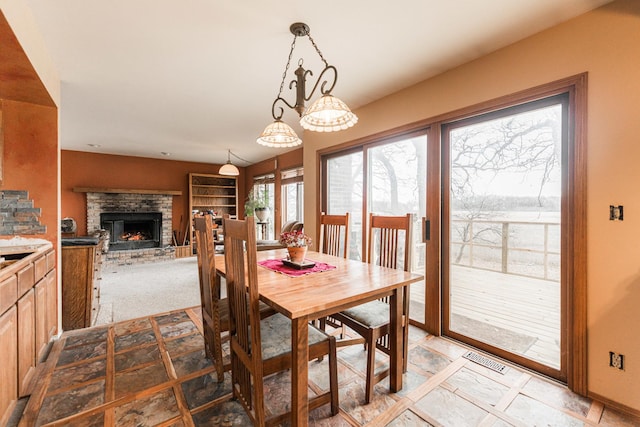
(486,362)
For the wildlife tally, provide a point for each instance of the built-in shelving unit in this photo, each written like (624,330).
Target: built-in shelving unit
(215,193)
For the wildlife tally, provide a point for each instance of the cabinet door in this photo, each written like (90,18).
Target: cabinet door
(8,364)
(41,317)
(77,281)
(26,340)
(52,304)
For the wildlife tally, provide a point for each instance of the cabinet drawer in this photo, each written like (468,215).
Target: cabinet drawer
(40,268)
(8,293)
(51,260)
(26,279)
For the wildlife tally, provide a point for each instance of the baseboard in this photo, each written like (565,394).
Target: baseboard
(615,405)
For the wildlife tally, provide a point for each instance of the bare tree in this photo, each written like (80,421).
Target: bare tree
(519,145)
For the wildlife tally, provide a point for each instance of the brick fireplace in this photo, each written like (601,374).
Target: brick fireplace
(134,202)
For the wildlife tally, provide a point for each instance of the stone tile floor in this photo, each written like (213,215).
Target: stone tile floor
(152,372)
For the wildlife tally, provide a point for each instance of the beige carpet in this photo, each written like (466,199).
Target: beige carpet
(129,292)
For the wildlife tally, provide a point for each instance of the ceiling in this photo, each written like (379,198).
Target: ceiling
(195,78)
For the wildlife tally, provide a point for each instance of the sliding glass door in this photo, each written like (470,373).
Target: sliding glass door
(502,246)
(396,185)
(385,178)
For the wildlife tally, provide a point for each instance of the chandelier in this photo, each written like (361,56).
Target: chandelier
(326,114)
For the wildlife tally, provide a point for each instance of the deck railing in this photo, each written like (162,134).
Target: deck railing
(527,248)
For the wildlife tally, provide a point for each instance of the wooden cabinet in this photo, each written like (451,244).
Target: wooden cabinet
(9,365)
(28,320)
(80,285)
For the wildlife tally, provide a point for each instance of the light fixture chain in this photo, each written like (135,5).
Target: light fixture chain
(238,157)
(284,75)
(317,49)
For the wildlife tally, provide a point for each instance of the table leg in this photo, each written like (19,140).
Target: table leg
(395,339)
(300,371)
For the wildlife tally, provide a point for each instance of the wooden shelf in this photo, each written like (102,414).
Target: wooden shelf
(125,191)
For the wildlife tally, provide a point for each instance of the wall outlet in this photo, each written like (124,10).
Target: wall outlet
(616,213)
(616,360)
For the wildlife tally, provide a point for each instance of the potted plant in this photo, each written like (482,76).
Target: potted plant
(296,243)
(258,205)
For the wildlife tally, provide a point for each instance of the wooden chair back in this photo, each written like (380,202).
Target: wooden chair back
(244,315)
(389,242)
(334,234)
(209,291)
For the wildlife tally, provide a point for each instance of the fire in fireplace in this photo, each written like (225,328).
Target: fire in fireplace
(132,230)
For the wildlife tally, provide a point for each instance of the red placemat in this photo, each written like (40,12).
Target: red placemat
(277,266)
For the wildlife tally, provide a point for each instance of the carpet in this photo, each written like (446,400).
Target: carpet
(128,292)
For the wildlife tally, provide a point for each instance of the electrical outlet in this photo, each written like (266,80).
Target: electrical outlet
(616,360)
(616,213)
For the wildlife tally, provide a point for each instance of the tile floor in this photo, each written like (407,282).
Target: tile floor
(152,372)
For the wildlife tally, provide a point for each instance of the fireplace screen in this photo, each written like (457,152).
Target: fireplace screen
(132,230)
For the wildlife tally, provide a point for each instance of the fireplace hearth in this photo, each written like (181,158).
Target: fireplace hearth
(132,230)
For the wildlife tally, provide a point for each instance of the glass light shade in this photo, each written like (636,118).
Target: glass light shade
(229,169)
(279,134)
(328,114)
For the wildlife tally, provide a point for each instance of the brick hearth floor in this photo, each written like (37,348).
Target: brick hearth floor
(152,372)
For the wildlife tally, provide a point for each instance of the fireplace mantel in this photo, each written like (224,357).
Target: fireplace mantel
(125,191)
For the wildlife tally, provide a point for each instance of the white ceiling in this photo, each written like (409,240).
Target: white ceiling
(197,77)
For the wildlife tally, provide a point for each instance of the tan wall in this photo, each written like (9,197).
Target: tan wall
(81,169)
(603,43)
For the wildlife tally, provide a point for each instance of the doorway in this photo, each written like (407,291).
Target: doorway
(513,212)
(502,228)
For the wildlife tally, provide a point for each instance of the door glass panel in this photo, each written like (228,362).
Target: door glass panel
(397,186)
(504,232)
(345,189)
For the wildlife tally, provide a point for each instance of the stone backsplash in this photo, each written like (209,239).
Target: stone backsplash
(17,214)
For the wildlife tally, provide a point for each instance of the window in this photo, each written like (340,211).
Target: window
(292,195)
(264,186)
(344,191)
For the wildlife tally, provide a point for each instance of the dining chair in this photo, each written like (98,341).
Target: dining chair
(215,310)
(263,347)
(334,235)
(389,244)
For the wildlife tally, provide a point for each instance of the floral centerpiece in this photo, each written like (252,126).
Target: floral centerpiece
(296,243)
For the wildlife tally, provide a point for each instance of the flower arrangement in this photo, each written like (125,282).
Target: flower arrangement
(295,239)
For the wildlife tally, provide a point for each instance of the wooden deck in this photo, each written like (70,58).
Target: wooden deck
(525,307)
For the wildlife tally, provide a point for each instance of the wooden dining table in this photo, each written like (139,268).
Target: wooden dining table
(315,295)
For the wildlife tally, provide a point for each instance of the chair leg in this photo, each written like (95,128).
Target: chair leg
(213,351)
(333,376)
(219,366)
(405,349)
(371,367)
(217,354)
